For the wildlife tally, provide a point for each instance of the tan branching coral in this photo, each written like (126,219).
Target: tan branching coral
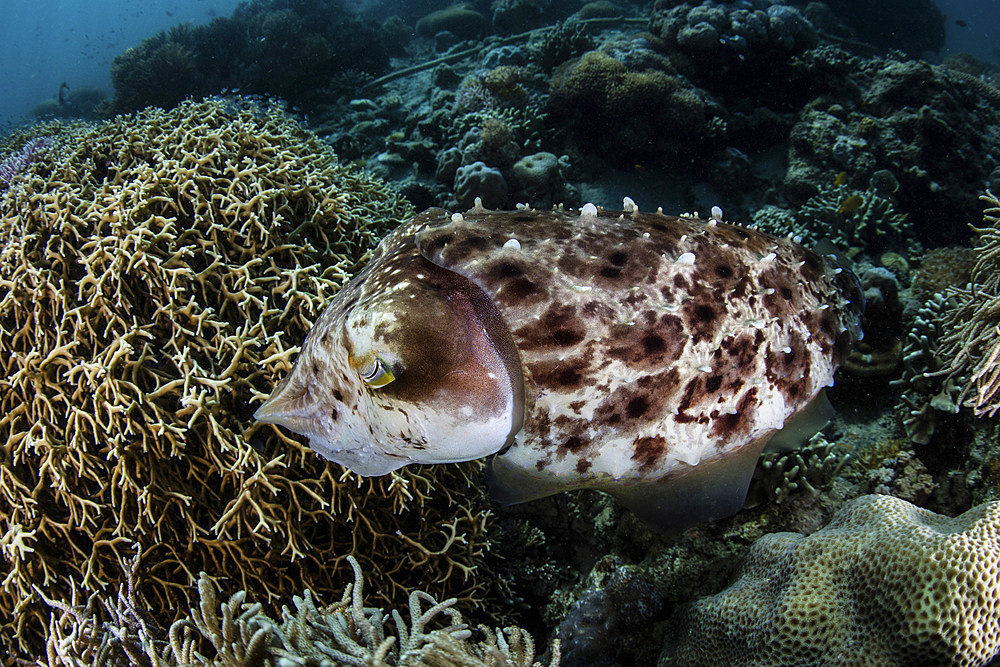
(236,633)
(972,323)
(152,276)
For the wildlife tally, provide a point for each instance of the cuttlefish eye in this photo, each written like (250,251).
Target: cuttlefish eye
(377,373)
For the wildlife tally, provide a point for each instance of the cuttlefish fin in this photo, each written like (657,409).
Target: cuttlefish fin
(693,494)
(803,425)
(690,495)
(717,488)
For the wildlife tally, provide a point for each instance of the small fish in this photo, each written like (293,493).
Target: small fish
(962,24)
(63,96)
(840,179)
(645,355)
(850,205)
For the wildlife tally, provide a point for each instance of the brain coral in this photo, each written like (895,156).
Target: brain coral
(154,271)
(885,583)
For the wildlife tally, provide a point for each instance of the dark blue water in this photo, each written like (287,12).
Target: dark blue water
(43,44)
(980,34)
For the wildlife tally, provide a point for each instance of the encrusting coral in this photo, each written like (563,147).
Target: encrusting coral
(236,633)
(884,583)
(152,271)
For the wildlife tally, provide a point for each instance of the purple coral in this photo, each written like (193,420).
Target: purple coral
(16,163)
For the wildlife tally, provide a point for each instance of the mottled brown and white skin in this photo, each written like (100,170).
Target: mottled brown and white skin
(645,355)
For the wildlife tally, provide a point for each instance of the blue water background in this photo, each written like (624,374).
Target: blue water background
(43,43)
(46,42)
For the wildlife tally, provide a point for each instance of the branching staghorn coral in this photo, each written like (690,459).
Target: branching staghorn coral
(152,271)
(235,633)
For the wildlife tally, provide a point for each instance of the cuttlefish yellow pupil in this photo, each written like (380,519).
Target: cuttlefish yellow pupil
(435,377)
(645,355)
(377,373)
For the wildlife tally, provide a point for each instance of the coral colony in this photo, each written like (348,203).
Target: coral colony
(16,163)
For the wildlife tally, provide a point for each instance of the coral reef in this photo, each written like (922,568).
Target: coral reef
(153,269)
(883,583)
(774,78)
(332,49)
(235,633)
(784,113)
(892,113)
(589,94)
